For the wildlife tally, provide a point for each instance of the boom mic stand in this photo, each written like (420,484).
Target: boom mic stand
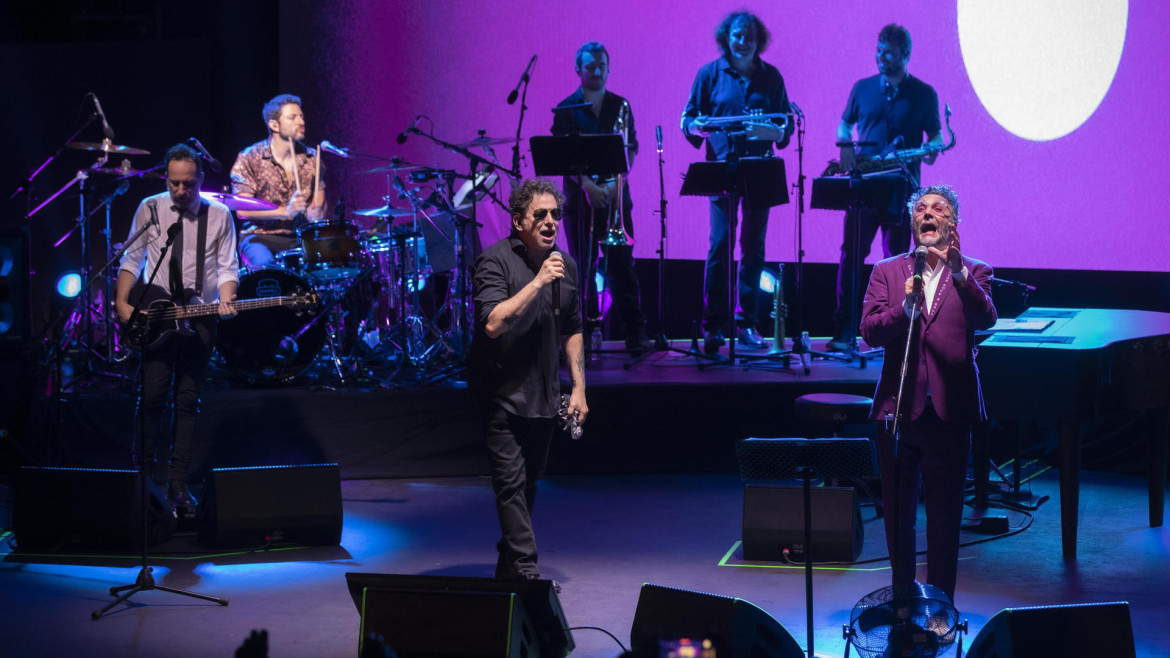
(145,580)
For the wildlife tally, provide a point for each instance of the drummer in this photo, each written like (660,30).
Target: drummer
(280,170)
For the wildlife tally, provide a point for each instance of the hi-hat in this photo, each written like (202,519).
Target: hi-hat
(384,211)
(107,148)
(239,202)
(396,164)
(484,140)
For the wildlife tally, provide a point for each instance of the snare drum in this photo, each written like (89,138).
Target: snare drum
(331,250)
(270,344)
(397,256)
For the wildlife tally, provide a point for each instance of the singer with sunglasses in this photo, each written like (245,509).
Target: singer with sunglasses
(201,262)
(526,312)
(280,170)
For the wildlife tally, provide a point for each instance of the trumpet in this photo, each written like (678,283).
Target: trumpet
(779,119)
(615,225)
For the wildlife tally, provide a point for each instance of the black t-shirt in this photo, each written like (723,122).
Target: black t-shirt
(720,91)
(913,114)
(582,121)
(518,369)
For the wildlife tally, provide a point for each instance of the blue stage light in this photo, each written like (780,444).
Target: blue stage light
(69,284)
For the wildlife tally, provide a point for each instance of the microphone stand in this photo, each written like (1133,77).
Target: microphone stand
(661,342)
(145,579)
(515,173)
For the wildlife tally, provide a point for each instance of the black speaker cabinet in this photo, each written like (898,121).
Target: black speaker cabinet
(15,299)
(1084,630)
(735,626)
(255,506)
(773,519)
(458,616)
(86,509)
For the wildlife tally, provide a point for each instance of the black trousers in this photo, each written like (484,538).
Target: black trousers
(616,263)
(518,450)
(933,452)
(752,229)
(176,368)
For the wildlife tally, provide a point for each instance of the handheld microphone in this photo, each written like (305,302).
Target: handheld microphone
(556,293)
(106,129)
(658,136)
(796,109)
(211,161)
(919,267)
(525,77)
(402,135)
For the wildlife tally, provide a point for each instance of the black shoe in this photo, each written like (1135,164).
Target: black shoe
(839,344)
(751,339)
(712,340)
(180,496)
(639,343)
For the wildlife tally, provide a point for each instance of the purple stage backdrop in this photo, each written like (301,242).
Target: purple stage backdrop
(1056,106)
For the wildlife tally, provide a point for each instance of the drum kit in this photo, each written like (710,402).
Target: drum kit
(370,271)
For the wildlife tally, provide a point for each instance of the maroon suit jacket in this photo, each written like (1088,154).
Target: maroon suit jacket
(942,352)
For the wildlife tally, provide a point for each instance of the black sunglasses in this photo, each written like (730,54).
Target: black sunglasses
(540,213)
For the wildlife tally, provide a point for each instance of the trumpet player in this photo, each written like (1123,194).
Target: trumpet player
(737,83)
(603,243)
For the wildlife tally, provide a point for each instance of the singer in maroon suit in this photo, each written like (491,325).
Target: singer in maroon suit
(941,399)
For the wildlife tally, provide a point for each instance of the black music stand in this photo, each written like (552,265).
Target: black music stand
(805,459)
(854,194)
(580,155)
(759,179)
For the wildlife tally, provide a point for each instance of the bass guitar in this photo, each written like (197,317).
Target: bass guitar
(159,317)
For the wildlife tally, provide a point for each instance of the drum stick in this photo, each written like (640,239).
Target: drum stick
(316,175)
(292,151)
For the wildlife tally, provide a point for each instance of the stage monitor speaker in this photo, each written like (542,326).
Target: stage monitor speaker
(255,506)
(460,616)
(1084,630)
(86,509)
(773,520)
(734,625)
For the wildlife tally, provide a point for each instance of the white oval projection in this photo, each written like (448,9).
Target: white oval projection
(1041,67)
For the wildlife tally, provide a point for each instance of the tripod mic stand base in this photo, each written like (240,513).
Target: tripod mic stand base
(145,582)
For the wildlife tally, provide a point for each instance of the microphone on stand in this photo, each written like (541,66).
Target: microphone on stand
(106,129)
(515,93)
(211,161)
(401,139)
(658,136)
(330,147)
(919,267)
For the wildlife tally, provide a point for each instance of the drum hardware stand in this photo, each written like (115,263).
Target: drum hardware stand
(145,580)
(332,311)
(661,342)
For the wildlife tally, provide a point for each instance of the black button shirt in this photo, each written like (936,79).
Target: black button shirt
(721,91)
(518,369)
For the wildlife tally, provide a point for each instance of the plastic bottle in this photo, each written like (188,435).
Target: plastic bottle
(595,342)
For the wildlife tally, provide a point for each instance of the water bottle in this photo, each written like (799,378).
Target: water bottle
(595,343)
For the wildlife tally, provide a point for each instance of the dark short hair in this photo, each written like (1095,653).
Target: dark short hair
(183,152)
(942,189)
(271,111)
(522,196)
(593,47)
(896,35)
(723,32)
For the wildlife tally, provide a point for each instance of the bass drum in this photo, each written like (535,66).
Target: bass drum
(270,344)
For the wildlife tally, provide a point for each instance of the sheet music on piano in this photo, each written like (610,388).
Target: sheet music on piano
(1031,325)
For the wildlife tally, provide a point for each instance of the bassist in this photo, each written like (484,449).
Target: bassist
(202,262)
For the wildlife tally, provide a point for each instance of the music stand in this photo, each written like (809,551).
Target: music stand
(787,459)
(761,180)
(580,155)
(854,194)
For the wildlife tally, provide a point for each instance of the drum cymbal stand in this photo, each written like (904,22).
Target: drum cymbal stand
(334,323)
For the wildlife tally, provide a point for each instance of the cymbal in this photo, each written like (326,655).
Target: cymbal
(396,164)
(239,202)
(384,211)
(484,140)
(128,172)
(111,148)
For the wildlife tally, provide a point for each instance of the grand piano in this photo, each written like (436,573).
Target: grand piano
(1074,365)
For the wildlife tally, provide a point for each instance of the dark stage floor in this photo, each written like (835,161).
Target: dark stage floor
(600,536)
